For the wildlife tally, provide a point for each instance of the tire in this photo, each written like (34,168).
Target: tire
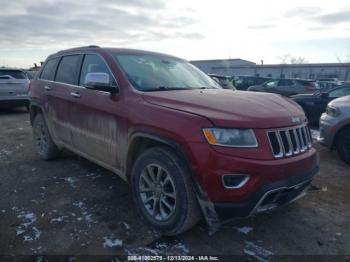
(343,144)
(174,208)
(43,144)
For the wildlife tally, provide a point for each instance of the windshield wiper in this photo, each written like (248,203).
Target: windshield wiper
(169,88)
(166,88)
(207,87)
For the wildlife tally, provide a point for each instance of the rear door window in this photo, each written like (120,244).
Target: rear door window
(49,70)
(68,69)
(285,82)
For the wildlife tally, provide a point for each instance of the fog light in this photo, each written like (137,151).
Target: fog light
(232,181)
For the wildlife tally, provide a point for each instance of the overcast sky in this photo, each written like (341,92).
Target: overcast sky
(256,30)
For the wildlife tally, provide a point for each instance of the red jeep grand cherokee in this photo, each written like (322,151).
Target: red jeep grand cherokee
(187,147)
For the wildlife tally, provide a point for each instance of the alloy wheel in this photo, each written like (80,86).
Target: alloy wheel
(157,191)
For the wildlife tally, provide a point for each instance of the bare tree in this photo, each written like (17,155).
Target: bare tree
(290,59)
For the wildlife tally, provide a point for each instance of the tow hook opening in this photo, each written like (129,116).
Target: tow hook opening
(234,181)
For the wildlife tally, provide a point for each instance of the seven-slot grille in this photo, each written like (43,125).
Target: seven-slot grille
(290,141)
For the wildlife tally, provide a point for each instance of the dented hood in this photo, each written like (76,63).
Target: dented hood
(227,108)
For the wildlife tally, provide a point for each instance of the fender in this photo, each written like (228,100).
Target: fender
(33,104)
(206,206)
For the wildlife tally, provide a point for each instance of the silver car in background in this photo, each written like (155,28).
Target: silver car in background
(14,86)
(335,127)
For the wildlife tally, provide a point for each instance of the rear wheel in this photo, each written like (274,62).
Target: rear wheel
(42,141)
(343,144)
(163,191)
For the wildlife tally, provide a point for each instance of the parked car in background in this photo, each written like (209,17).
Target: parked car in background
(335,127)
(224,81)
(187,146)
(326,85)
(330,80)
(243,82)
(315,104)
(13,88)
(31,74)
(286,87)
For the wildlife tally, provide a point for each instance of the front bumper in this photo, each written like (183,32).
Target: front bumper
(268,197)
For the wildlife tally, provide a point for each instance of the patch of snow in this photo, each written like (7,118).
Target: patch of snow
(182,248)
(161,248)
(93,175)
(30,238)
(72,181)
(29,232)
(245,230)
(338,234)
(5,152)
(315,134)
(79,204)
(84,214)
(19,231)
(88,218)
(3,211)
(112,242)
(58,219)
(28,218)
(259,253)
(126,225)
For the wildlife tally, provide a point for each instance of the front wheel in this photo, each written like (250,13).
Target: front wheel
(343,144)
(163,191)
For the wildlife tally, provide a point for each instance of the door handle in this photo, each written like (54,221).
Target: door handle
(48,88)
(75,94)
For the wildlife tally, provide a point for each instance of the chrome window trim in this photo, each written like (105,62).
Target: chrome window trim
(60,56)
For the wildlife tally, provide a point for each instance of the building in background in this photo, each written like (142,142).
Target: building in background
(240,67)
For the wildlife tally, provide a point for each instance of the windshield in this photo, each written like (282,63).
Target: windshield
(153,72)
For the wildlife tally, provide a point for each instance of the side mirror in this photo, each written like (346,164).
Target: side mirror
(99,81)
(324,94)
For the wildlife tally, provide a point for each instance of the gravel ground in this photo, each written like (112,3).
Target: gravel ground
(72,207)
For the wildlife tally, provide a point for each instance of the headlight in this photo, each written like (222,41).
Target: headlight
(230,137)
(332,111)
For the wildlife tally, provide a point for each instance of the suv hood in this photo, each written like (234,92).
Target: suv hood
(343,102)
(227,108)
